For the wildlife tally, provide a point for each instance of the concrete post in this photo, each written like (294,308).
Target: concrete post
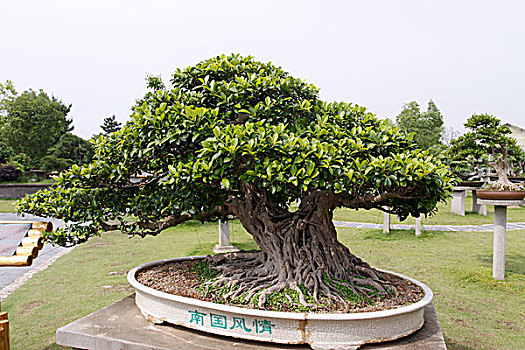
(386,223)
(478,208)
(458,201)
(500,233)
(224,233)
(224,245)
(419,226)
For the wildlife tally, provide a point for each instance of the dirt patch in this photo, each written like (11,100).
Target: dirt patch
(179,278)
(27,307)
(509,325)
(96,245)
(464,310)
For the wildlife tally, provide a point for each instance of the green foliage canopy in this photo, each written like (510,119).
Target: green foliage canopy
(33,122)
(7,93)
(70,149)
(6,152)
(231,126)
(488,141)
(426,126)
(110,125)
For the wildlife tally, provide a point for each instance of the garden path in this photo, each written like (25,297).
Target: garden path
(12,277)
(464,228)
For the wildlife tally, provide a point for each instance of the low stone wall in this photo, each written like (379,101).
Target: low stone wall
(18,190)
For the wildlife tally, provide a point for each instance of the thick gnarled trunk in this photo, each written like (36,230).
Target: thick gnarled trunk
(501,165)
(297,249)
(502,183)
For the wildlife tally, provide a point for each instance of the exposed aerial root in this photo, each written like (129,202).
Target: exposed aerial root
(262,297)
(246,275)
(299,251)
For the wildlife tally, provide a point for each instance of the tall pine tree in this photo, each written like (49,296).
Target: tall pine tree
(110,125)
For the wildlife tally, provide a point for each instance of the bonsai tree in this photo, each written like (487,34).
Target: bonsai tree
(233,137)
(488,142)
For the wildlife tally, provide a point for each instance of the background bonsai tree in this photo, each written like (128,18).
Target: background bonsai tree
(488,142)
(232,137)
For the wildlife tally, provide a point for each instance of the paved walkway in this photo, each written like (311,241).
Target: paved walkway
(12,277)
(464,228)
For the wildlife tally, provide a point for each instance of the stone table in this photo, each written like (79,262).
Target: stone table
(458,201)
(122,326)
(476,207)
(500,233)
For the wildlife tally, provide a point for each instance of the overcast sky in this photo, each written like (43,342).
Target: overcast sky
(467,56)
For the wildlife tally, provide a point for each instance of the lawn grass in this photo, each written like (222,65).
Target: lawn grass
(80,282)
(475,311)
(7,205)
(443,216)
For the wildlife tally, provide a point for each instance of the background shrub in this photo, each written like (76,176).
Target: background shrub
(8,173)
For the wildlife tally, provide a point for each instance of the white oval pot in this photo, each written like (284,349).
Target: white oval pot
(319,330)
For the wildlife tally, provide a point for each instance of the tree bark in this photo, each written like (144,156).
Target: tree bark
(503,182)
(297,249)
(501,165)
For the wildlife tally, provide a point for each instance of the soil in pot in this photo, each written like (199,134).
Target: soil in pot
(194,279)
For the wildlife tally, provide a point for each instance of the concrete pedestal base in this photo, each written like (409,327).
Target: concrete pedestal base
(386,223)
(224,245)
(500,233)
(122,326)
(458,200)
(224,249)
(419,226)
(476,207)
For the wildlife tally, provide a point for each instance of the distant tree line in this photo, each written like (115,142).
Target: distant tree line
(35,133)
(428,133)
(426,126)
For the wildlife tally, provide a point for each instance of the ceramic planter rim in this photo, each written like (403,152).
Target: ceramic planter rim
(503,195)
(489,190)
(427,299)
